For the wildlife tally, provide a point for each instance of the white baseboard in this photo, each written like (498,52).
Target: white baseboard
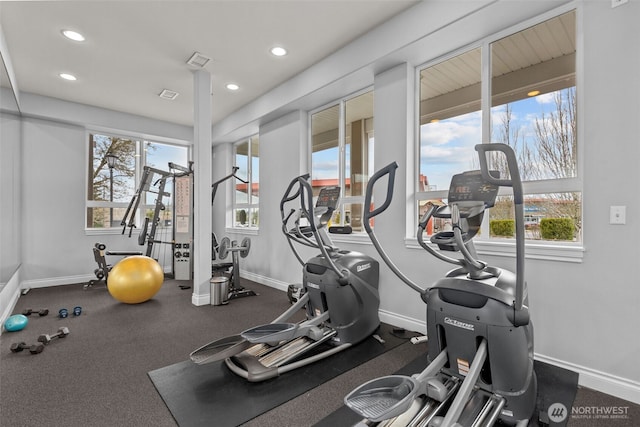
(200,299)
(613,385)
(205,299)
(56,281)
(400,321)
(9,297)
(267,281)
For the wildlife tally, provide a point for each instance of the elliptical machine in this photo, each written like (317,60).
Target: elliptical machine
(339,294)
(479,332)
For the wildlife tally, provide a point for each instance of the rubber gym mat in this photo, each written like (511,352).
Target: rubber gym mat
(555,385)
(206,395)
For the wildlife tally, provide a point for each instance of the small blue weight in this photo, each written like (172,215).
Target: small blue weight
(77,311)
(15,323)
(63,313)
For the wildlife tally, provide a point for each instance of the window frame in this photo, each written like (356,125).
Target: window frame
(249,206)
(341,102)
(140,161)
(536,249)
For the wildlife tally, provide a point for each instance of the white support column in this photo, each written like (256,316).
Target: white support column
(202,166)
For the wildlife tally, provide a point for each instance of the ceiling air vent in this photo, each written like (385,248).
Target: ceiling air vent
(198,60)
(168,94)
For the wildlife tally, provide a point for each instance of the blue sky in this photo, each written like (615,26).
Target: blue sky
(447,147)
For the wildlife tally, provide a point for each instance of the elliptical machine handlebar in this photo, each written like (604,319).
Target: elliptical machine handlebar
(462,247)
(422,226)
(287,194)
(515,183)
(390,171)
(304,191)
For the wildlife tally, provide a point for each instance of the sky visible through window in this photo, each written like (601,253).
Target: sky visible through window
(325,163)
(159,155)
(447,147)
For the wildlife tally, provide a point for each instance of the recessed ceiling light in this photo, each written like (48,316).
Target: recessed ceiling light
(67,76)
(73,35)
(232,86)
(278,51)
(533,93)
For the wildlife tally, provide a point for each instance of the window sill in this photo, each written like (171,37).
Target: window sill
(106,231)
(359,238)
(239,230)
(549,251)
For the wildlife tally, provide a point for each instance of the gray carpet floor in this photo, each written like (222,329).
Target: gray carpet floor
(97,375)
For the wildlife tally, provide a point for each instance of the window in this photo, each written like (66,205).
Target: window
(246,212)
(115,169)
(342,154)
(532,107)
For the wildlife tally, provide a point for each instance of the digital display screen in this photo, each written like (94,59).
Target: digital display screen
(328,197)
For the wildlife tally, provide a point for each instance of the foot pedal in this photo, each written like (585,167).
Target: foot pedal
(219,350)
(383,398)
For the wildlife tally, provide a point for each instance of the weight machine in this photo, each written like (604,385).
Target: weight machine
(154,181)
(226,247)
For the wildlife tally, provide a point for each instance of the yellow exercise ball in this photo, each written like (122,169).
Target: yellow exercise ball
(135,279)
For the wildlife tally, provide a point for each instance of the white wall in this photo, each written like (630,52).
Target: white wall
(270,260)
(56,248)
(601,298)
(10,210)
(10,192)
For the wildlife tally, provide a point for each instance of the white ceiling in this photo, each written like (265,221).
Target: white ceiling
(135,49)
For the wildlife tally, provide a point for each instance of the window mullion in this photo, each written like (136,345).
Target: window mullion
(485,112)
(342,162)
(485,91)
(341,149)
(249,172)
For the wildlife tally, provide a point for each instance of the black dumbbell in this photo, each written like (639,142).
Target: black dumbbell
(17,347)
(46,338)
(41,312)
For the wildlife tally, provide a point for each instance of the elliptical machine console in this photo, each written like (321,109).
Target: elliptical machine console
(339,294)
(480,334)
